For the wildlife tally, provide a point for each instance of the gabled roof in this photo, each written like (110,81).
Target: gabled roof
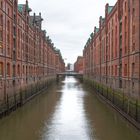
(21,7)
(96,30)
(110,9)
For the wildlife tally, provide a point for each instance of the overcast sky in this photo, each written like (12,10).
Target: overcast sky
(69,22)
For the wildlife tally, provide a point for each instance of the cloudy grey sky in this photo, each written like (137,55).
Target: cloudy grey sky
(69,22)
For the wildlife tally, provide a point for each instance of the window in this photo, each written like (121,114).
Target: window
(112,43)
(133,2)
(112,71)
(8,39)
(14,71)
(121,27)
(133,29)
(1,5)
(15,4)
(112,22)
(1,20)
(133,12)
(133,69)
(1,35)
(1,49)
(23,71)
(14,18)
(115,70)
(120,41)
(133,85)
(14,43)
(8,11)
(18,70)
(125,48)
(125,70)
(8,44)
(120,83)
(125,22)
(1,68)
(14,31)
(109,70)
(8,69)
(1,38)
(8,26)
(26,70)
(133,47)
(125,6)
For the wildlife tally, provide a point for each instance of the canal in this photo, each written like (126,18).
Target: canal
(66,111)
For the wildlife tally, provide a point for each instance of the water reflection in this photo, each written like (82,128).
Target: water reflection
(67,111)
(69,121)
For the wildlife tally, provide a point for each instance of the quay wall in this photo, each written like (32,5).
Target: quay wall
(127,107)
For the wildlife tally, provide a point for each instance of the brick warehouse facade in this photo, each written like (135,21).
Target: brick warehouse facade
(27,57)
(112,53)
(79,65)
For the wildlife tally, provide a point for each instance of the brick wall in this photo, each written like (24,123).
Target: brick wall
(27,55)
(112,53)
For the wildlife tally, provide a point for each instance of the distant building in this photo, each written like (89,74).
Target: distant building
(79,65)
(69,67)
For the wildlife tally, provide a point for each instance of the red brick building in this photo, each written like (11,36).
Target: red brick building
(112,53)
(27,56)
(79,65)
(59,66)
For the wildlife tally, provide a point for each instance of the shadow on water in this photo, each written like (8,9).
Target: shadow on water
(67,111)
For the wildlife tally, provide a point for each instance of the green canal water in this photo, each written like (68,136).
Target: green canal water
(66,111)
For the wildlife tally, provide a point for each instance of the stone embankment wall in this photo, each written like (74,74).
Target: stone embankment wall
(128,107)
